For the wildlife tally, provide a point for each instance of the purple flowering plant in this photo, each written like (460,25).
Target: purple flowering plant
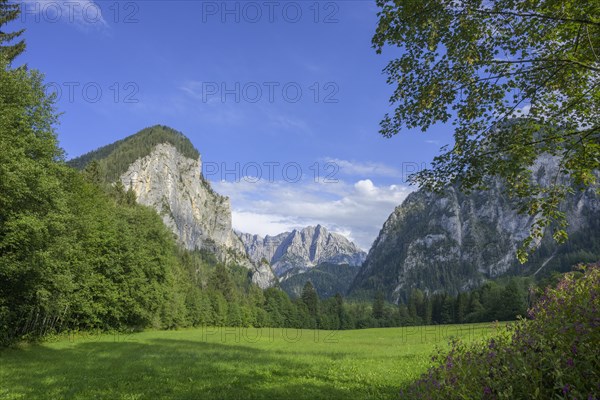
(554,354)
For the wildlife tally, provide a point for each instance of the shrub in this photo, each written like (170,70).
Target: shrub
(553,355)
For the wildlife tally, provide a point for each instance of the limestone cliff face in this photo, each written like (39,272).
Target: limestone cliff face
(173,185)
(295,252)
(453,242)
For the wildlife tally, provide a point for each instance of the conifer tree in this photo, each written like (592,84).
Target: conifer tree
(10,12)
(310,298)
(378,305)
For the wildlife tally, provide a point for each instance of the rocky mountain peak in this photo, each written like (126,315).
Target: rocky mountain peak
(297,251)
(173,185)
(163,169)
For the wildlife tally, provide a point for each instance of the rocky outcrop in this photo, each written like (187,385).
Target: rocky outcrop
(261,249)
(453,242)
(173,185)
(295,252)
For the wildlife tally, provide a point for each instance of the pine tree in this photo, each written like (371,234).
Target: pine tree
(378,305)
(9,12)
(476,309)
(130,197)
(220,281)
(462,304)
(403,317)
(93,173)
(338,310)
(310,298)
(514,303)
(447,310)
(427,310)
(415,304)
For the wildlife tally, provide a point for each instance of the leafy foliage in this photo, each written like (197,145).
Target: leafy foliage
(32,197)
(517,79)
(553,355)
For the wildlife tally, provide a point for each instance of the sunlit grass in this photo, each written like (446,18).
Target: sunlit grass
(226,363)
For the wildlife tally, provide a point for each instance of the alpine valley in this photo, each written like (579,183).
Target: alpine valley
(449,242)
(164,172)
(270,246)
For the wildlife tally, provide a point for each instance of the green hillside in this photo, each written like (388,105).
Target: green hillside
(115,158)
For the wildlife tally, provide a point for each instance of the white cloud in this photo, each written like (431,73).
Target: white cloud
(365,187)
(356,210)
(262,224)
(84,14)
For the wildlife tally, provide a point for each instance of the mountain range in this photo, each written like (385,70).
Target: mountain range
(437,242)
(298,251)
(452,242)
(163,169)
(329,260)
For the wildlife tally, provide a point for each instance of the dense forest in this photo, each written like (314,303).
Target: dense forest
(328,279)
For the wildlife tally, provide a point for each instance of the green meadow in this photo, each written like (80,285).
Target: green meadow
(226,363)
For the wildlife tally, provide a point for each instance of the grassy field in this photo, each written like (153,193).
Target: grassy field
(226,363)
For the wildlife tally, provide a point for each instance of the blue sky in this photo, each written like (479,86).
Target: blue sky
(277,87)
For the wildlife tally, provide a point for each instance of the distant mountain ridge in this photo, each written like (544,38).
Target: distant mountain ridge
(453,242)
(290,253)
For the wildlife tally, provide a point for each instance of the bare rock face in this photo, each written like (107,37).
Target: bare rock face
(173,185)
(295,252)
(453,241)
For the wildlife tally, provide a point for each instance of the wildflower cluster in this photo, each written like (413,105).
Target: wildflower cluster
(554,354)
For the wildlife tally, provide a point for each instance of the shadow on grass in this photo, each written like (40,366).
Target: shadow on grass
(171,369)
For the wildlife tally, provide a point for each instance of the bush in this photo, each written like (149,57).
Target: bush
(554,355)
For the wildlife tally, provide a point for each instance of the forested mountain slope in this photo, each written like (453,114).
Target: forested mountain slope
(162,169)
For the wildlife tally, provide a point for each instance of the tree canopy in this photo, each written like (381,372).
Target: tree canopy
(515,78)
